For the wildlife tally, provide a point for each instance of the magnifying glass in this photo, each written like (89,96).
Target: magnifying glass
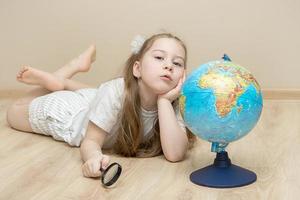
(111,174)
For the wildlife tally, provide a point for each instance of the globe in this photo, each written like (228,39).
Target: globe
(220,102)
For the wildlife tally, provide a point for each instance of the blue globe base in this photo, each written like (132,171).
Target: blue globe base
(223,174)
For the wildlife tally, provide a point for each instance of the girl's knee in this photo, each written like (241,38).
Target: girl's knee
(22,102)
(17,117)
(11,114)
(8,115)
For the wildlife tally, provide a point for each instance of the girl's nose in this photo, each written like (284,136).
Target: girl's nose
(168,66)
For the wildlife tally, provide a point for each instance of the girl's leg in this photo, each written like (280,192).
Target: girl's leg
(72,85)
(48,81)
(56,81)
(17,113)
(80,64)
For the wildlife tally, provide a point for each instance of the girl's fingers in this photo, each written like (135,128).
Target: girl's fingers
(96,173)
(91,169)
(179,85)
(85,171)
(105,161)
(96,170)
(184,76)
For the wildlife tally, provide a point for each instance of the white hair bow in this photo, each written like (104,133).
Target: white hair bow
(137,44)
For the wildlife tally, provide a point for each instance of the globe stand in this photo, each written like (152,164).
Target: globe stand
(223,174)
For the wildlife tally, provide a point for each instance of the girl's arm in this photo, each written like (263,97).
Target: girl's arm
(91,153)
(174,140)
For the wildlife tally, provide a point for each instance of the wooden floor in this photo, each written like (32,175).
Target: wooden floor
(37,167)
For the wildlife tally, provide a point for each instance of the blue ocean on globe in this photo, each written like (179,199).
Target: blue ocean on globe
(220,102)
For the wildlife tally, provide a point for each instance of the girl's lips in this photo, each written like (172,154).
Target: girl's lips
(166,77)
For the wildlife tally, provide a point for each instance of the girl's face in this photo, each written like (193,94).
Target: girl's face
(162,66)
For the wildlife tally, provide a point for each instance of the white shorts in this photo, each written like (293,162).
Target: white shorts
(62,114)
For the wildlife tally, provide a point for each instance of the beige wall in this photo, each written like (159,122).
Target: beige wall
(261,35)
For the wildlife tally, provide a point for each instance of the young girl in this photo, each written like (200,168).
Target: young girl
(136,115)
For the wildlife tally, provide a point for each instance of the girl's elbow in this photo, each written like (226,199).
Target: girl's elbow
(174,158)
(176,155)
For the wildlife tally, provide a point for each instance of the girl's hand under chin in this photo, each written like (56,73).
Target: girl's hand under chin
(174,93)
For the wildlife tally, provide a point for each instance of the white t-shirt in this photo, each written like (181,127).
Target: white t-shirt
(107,105)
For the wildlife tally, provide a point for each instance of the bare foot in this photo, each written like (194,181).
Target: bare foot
(80,64)
(32,76)
(83,62)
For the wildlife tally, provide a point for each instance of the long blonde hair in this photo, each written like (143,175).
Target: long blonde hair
(130,132)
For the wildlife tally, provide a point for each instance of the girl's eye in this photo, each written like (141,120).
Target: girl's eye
(177,64)
(159,57)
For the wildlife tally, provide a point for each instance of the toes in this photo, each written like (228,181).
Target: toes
(19,74)
(22,70)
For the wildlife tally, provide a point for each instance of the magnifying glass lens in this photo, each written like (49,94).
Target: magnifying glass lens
(111,174)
